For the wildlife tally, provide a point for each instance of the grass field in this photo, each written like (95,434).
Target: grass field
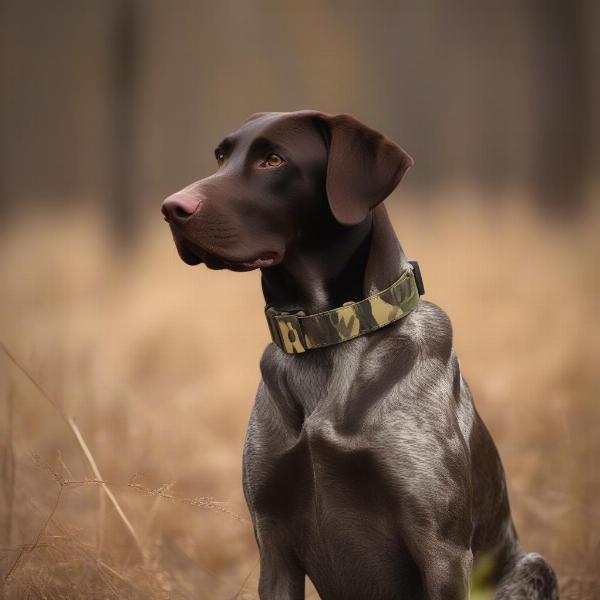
(152,367)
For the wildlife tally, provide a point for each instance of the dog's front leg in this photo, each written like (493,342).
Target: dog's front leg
(281,576)
(435,507)
(446,572)
(437,531)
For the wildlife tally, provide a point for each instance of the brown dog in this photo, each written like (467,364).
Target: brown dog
(366,465)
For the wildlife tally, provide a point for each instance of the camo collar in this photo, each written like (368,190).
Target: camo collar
(295,332)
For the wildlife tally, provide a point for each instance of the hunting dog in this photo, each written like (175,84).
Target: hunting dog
(366,465)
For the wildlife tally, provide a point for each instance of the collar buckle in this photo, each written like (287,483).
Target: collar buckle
(418,277)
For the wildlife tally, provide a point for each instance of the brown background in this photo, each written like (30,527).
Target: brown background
(106,107)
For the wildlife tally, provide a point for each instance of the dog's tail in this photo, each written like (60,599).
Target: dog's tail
(528,577)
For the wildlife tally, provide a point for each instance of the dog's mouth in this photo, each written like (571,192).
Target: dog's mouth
(192,254)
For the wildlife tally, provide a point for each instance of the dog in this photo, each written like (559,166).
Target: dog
(366,466)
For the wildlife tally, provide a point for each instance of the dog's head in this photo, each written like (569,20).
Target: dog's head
(282,177)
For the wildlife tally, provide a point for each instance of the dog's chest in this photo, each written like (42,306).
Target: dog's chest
(323,470)
(316,471)
(331,493)
(313,462)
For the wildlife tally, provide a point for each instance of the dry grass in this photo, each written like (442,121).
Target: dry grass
(158,363)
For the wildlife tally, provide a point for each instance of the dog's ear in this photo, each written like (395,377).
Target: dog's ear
(363,168)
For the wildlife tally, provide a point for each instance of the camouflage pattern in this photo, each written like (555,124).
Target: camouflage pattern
(296,333)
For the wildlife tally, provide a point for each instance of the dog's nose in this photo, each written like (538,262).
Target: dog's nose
(179,206)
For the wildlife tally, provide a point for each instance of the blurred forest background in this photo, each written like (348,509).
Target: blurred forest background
(121,101)
(108,106)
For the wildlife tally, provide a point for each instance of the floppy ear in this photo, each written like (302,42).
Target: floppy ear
(363,168)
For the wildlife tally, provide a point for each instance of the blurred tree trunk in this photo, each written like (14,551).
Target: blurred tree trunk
(121,202)
(561,111)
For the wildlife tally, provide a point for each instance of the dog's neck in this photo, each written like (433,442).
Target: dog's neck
(346,264)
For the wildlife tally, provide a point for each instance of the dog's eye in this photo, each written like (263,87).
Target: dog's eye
(220,156)
(272,161)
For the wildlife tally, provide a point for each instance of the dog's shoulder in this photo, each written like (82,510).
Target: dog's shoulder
(427,328)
